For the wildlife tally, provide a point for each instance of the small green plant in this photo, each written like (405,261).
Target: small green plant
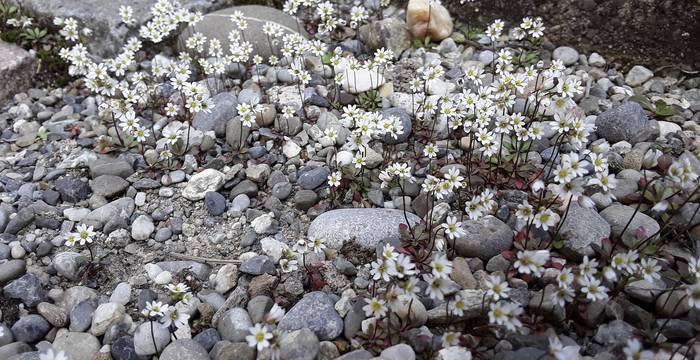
(370,100)
(659,108)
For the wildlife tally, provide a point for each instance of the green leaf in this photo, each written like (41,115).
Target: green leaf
(642,100)
(664,110)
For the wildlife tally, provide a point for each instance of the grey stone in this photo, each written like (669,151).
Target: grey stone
(77,346)
(105,315)
(234,138)
(218,25)
(109,185)
(240,203)
(313,178)
(27,288)
(120,208)
(142,228)
(259,265)
(582,228)
(110,166)
(627,122)
(208,338)
(215,203)
(300,344)
(184,349)
(282,190)
(69,264)
(224,110)
(366,227)
(201,271)
(225,350)
(202,183)
(23,218)
(108,32)
(305,199)
(484,238)
(11,270)
(398,352)
(16,70)
(72,189)
(316,311)
(30,328)
(614,333)
(391,33)
(55,315)
(123,349)
(244,187)
(638,75)
(143,341)
(10,350)
(641,227)
(234,325)
(567,55)
(81,315)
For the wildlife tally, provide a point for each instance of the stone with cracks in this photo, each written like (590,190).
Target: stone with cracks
(16,69)
(217,25)
(365,227)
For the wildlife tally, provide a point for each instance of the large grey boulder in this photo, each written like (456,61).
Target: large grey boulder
(109,34)
(582,228)
(315,311)
(626,122)
(16,69)
(484,238)
(365,227)
(217,25)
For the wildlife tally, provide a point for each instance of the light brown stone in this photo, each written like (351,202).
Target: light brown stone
(428,20)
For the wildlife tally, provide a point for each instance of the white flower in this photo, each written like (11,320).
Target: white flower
(51,355)
(388,252)
(562,295)
(437,286)
(694,267)
(380,270)
(506,314)
(633,351)
(180,288)
(593,290)
(546,219)
(259,337)
(588,267)
(693,292)
(317,245)
(453,228)
(441,266)
(375,307)
(430,151)
(531,261)
(496,288)
(85,234)
(450,338)
(175,317)
(155,309)
(650,269)
(275,314)
(561,352)
(334,179)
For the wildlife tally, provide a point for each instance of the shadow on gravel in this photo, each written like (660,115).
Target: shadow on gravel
(655,33)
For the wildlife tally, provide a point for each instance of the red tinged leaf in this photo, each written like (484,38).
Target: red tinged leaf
(640,233)
(519,184)
(508,255)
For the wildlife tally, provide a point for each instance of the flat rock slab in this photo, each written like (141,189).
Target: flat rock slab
(218,25)
(16,69)
(366,227)
(109,34)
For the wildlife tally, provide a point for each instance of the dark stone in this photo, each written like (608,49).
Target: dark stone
(28,289)
(123,349)
(215,203)
(73,189)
